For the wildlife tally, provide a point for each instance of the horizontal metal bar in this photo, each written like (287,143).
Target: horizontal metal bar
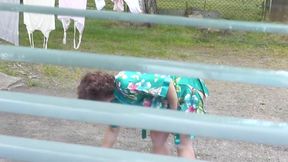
(101,61)
(152,119)
(16,148)
(156,19)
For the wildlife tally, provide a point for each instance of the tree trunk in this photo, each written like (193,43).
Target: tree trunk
(279,10)
(149,6)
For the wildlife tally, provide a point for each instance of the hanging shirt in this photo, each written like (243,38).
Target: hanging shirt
(43,22)
(100,4)
(9,24)
(79,22)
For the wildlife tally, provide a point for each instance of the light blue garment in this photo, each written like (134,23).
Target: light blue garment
(9,24)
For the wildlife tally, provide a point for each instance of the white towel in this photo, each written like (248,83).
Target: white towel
(42,22)
(9,24)
(133,5)
(79,22)
(100,4)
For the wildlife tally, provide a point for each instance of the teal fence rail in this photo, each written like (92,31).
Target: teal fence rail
(103,61)
(133,117)
(256,131)
(23,149)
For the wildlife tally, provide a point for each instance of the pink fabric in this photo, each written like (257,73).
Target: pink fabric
(118,5)
(133,5)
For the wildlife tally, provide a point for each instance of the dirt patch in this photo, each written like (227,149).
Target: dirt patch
(231,99)
(7,82)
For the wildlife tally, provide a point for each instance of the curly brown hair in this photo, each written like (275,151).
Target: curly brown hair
(96,86)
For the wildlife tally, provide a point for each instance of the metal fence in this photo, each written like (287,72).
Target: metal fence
(107,113)
(227,9)
(253,10)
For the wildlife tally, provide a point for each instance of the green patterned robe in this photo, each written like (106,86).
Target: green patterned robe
(150,90)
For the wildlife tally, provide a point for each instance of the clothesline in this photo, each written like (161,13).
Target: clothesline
(46,23)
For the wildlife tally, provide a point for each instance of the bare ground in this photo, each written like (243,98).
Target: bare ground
(232,99)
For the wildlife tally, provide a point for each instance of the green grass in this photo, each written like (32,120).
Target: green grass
(6,68)
(159,41)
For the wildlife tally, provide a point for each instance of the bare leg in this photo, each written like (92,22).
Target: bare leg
(159,142)
(110,136)
(159,139)
(185,148)
(172,97)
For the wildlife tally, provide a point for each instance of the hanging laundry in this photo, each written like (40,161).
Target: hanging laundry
(134,6)
(44,23)
(100,4)
(9,24)
(79,22)
(118,5)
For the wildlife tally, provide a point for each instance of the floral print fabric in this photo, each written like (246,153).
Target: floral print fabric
(150,90)
(140,88)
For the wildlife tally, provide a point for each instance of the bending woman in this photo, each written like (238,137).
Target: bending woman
(149,90)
